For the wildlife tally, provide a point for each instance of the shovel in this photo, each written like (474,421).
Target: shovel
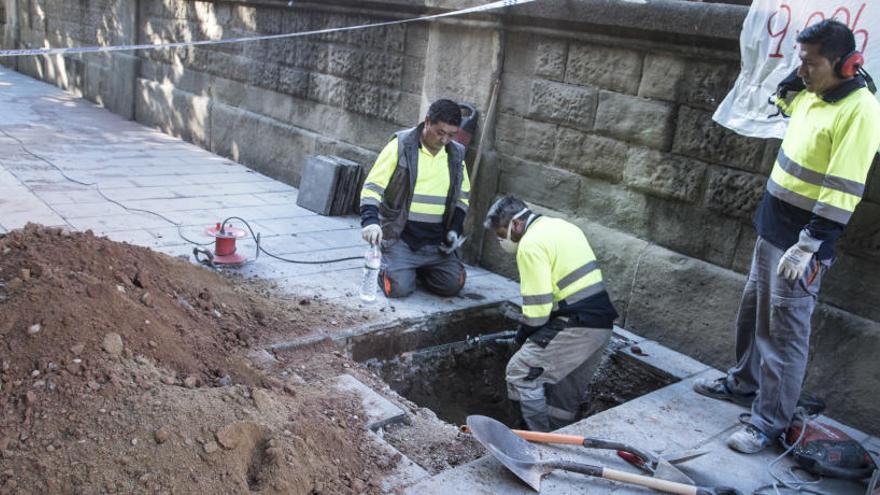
(659,467)
(516,455)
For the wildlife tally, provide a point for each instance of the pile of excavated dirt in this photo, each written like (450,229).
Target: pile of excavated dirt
(123,370)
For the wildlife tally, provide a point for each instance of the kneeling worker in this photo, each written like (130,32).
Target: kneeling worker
(567,314)
(418,192)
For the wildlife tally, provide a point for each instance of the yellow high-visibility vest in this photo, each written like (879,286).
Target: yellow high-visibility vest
(432,183)
(556,263)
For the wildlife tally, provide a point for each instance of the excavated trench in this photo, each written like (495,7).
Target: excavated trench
(432,365)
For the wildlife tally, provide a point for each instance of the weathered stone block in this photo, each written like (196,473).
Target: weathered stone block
(686,304)
(618,254)
(663,174)
(591,155)
(519,54)
(515,94)
(545,186)
(550,57)
(294,82)
(413,74)
(692,230)
(616,69)
(562,103)
(175,112)
(698,136)
(848,284)
(263,144)
(381,68)
(524,138)
(662,77)
(734,193)
(771,150)
(862,234)
(614,206)
(843,366)
(707,83)
(635,120)
(872,191)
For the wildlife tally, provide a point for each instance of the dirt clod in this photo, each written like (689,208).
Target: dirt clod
(161,435)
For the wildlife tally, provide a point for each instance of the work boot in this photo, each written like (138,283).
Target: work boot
(718,389)
(748,440)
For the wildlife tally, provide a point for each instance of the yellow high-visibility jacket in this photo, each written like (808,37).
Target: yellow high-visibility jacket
(819,175)
(557,268)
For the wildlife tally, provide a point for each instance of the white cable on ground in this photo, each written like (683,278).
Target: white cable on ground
(164,46)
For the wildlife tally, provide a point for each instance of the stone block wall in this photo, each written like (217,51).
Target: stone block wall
(603,117)
(270,104)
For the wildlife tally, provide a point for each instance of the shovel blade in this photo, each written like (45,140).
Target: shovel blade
(510,450)
(668,472)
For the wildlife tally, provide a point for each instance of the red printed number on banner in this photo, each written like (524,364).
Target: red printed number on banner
(782,32)
(841,13)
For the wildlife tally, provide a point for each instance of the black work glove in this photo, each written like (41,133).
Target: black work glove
(522,334)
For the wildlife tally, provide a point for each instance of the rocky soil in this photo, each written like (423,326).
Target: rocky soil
(127,371)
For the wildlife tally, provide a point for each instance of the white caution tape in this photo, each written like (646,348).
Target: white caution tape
(164,46)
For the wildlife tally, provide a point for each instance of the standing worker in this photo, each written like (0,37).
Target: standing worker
(817,181)
(567,314)
(418,192)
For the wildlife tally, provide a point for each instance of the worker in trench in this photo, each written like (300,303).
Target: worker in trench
(414,202)
(567,315)
(818,179)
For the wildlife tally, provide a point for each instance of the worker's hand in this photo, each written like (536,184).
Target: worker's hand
(372,234)
(794,263)
(453,242)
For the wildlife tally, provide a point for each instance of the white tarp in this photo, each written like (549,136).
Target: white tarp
(770,52)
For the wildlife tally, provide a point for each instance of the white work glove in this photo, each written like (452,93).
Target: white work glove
(794,262)
(453,242)
(372,234)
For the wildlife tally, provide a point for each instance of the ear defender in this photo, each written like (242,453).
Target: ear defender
(849,64)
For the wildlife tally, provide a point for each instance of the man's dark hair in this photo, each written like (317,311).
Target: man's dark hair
(446,111)
(502,212)
(833,37)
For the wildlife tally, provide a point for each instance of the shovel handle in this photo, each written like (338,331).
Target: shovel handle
(647,463)
(655,483)
(636,479)
(537,436)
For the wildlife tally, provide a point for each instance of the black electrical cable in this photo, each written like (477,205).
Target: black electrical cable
(263,250)
(163,217)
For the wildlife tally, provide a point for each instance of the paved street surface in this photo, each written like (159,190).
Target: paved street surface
(42,127)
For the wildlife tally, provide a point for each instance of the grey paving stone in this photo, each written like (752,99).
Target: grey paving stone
(658,356)
(405,473)
(379,411)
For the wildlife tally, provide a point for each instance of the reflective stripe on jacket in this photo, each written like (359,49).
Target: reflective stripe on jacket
(556,263)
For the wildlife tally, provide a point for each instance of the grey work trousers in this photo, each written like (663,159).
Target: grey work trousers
(773,336)
(564,368)
(441,273)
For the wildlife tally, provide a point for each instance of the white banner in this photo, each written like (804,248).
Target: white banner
(770,52)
